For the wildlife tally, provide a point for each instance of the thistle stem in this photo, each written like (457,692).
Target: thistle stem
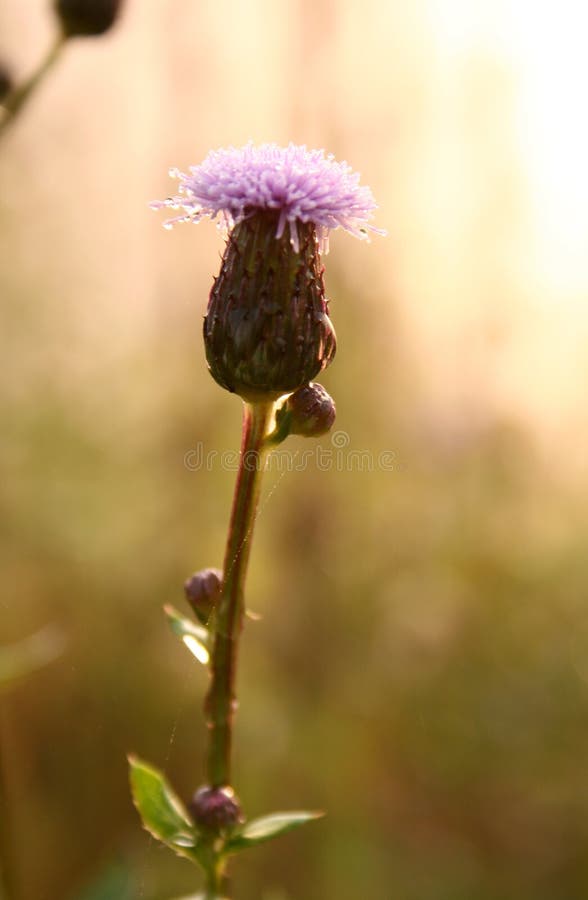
(17,98)
(221,700)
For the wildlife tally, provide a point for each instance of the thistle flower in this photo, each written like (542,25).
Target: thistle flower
(267,331)
(303,186)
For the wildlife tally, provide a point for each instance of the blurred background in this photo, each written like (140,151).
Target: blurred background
(421,667)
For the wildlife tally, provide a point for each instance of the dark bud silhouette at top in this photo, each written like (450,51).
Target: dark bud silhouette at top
(267,329)
(5,82)
(86,17)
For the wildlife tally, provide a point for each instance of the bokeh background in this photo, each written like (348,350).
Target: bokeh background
(421,667)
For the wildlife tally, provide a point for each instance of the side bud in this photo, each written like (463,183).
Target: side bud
(267,329)
(215,809)
(85,18)
(310,411)
(202,591)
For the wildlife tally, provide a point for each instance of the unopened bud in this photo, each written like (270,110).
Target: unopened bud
(202,590)
(309,411)
(215,809)
(267,329)
(86,17)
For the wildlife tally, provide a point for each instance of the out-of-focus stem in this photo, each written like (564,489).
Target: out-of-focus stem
(7,867)
(220,702)
(17,98)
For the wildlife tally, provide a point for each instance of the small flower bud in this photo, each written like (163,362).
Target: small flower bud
(267,329)
(202,590)
(309,411)
(86,17)
(215,809)
(5,82)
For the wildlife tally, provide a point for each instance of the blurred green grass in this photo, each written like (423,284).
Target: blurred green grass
(420,670)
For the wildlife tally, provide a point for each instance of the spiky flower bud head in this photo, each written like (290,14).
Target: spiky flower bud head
(5,82)
(202,590)
(310,411)
(215,809)
(85,18)
(267,331)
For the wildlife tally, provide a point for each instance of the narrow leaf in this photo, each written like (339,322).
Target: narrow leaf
(267,827)
(195,637)
(161,811)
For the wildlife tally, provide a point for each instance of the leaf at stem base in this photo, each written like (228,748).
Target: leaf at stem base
(162,812)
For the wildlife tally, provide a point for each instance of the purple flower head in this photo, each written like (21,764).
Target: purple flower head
(301,185)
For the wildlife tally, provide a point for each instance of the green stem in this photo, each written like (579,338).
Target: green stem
(221,701)
(214,879)
(16,99)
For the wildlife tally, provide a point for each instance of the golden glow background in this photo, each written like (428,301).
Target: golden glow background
(425,630)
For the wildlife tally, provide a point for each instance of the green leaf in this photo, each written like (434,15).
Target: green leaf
(195,637)
(162,812)
(267,827)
